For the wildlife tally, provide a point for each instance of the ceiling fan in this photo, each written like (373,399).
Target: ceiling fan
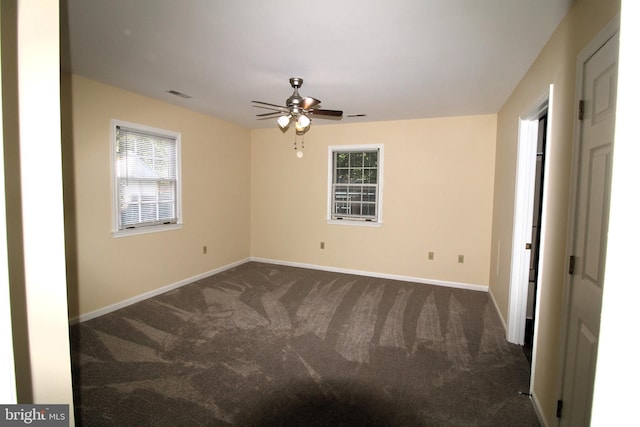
(298,110)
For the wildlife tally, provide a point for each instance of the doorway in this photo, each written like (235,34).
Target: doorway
(536,229)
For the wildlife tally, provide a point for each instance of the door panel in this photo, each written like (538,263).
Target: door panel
(586,350)
(595,225)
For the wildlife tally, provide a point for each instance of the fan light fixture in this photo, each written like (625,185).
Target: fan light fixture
(283,121)
(302,123)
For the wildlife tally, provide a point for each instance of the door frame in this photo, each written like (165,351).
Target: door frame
(523,215)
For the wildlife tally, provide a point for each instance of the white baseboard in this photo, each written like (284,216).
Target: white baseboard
(167,288)
(146,295)
(536,407)
(458,285)
(504,323)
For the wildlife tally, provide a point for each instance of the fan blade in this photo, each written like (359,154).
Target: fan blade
(321,112)
(279,110)
(274,114)
(309,102)
(271,106)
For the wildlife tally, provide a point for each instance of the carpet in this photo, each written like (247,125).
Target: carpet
(270,345)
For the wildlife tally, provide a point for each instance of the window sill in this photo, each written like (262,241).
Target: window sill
(146,230)
(355,223)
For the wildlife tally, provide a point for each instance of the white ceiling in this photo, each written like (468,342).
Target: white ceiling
(392,60)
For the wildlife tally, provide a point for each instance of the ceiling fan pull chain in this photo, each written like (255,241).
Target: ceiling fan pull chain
(299,153)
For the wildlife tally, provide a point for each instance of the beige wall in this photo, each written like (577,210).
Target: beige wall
(438,191)
(555,65)
(215,179)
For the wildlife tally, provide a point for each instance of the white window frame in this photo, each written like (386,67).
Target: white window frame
(379,196)
(116,229)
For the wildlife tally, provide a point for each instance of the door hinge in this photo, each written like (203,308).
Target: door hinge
(559,409)
(581,109)
(572,264)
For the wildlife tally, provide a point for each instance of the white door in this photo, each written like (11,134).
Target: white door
(589,232)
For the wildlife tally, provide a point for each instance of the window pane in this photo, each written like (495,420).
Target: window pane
(143,156)
(371,159)
(370,176)
(166,211)
(130,214)
(355,176)
(356,209)
(128,192)
(340,192)
(341,208)
(142,146)
(357,160)
(355,194)
(166,191)
(342,159)
(369,209)
(161,167)
(148,212)
(342,176)
(369,194)
(148,191)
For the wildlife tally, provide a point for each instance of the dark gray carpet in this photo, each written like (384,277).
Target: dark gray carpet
(267,345)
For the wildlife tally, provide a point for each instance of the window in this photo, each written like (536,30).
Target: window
(355,187)
(146,179)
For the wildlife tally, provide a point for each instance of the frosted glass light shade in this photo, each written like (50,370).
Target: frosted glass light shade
(283,121)
(302,123)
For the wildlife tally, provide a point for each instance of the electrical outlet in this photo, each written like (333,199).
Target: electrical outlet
(461,259)
(204,250)
(431,256)
(321,245)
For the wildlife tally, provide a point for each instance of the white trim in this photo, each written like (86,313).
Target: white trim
(146,230)
(522,223)
(113,307)
(354,223)
(536,406)
(363,147)
(523,215)
(495,304)
(458,285)
(544,214)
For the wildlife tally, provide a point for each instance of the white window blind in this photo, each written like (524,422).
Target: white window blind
(146,169)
